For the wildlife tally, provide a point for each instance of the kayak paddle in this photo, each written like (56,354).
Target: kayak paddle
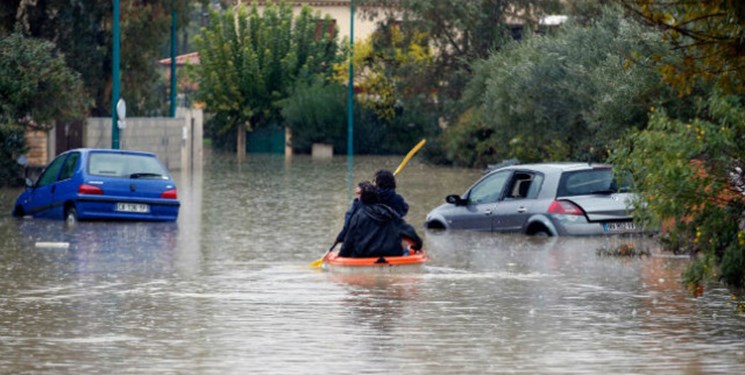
(410,155)
(319,262)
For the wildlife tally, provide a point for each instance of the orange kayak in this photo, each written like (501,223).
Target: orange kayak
(406,263)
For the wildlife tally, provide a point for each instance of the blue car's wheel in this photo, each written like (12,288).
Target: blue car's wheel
(71,215)
(18,211)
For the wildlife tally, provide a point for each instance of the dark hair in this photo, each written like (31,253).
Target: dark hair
(368,193)
(384,179)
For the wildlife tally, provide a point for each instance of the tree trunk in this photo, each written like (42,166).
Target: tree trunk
(240,146)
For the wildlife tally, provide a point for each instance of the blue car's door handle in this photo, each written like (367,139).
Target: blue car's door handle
(54,187)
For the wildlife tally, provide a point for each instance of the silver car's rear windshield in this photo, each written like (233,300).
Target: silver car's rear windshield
(591,181)
(125,165)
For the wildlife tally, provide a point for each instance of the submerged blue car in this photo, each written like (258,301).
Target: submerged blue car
(101,184)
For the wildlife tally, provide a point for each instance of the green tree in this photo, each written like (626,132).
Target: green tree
(709,34)
(694,185)
(82,30)
(460,32)
(250,61)
(690,175)
(37,88)
(568,95)
(389,65)
(315,112)
(391,86)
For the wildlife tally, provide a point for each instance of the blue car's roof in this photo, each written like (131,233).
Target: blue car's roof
(112,151)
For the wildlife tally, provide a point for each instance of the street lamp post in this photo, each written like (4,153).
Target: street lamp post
(115,78)
(172,113)
(350,106)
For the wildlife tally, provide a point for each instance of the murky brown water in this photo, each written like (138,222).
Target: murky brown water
(227,290)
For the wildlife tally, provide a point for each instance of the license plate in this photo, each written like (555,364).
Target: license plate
(624,226)
(132,207)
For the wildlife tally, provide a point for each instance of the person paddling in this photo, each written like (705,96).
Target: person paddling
(376,229)
(351,210)
(385,182)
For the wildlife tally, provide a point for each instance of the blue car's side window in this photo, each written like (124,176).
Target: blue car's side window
(51,172)
(68,169)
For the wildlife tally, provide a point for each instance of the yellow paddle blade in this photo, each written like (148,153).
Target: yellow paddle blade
(409,156)
(317,262)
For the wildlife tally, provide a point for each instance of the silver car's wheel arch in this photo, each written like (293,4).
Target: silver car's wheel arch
(540,221)
(436,223)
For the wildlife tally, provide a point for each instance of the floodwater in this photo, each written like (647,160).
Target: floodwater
(228,290)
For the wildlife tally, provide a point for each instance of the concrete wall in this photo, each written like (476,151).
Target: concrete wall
(192,139)
(177,141)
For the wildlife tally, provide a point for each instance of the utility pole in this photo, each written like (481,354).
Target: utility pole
(350,106)
(173,60)
(115,78)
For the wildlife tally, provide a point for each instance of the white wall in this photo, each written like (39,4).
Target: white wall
(177,141)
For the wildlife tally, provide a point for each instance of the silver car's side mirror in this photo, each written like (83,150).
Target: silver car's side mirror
(455,199)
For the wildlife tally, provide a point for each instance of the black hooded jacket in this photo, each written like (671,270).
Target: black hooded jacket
(394,200)
(377,230)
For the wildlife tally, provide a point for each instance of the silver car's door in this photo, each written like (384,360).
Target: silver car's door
(512,212)
(481,198)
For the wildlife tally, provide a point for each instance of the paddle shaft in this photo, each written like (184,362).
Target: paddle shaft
(409,156)
(318,262)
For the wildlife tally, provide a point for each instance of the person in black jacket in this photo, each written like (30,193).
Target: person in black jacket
(376,229)
(351,210)
(386,184)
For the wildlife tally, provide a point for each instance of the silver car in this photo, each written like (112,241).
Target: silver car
(552,199)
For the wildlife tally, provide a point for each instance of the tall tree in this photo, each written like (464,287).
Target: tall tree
(710,35)
(250,61)
(694,183)
(392,85)
(37,88)
(389,66)
(82,30)
(572,93)
(461,32)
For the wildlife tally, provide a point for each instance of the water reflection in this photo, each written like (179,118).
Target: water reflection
(227,289)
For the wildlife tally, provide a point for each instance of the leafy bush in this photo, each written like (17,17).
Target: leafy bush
(37,88)
(690,175)
(563,96)
(316,112)
(12,145)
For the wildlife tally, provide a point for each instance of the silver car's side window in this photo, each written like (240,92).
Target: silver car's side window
(535,186)
(489,189)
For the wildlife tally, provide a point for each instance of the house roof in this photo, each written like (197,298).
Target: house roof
(189,58)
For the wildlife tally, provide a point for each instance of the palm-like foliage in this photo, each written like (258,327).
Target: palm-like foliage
(249,61)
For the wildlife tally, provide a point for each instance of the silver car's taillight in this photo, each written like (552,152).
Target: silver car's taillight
(564,208)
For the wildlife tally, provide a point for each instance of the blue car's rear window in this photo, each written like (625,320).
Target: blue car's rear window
(591,181)
(125,165)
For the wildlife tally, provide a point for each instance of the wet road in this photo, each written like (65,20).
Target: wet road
(227,290)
